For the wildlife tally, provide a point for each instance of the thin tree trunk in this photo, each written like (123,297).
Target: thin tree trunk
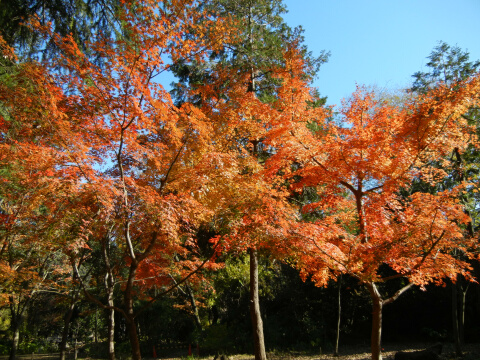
(189,294)
(193,303)
(110,287)
(129,312)
(458,310)
(462,295)
(257,324)
(68,317)
(456,332)
(66,330)
(15,340)
(462,314)
(17,318)
(75,346)
(377,307)
(95,337)
(339,315)
(111,326)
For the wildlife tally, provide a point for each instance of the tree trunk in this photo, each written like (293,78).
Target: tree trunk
(129,312)
(455,317)
(255,314)
(109,284)
(111,328)
(66,329)
(68,317)
(95,335)
(75,346)
(339,314)
(110,287)
(133,337)
(17,318)
(193,303)
(15,340)
(377,307)
(462,294)
(462,314)
(257,324)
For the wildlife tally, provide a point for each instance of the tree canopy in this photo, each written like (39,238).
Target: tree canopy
(106,174)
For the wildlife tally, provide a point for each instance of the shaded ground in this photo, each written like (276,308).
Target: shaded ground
(471,352)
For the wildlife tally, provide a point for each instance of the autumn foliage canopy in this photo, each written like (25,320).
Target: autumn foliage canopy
(93,155)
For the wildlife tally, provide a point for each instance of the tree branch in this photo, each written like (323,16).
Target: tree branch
(397,294)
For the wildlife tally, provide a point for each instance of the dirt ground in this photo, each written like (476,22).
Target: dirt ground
(471,352)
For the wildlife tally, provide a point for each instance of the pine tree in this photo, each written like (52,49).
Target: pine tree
(82,19)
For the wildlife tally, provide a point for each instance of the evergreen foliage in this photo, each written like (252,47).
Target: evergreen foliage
(83,19)
(257,50)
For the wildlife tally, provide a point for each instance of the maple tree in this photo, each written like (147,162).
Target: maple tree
(247,74)
(28,266)
(448,65)
(257,208)
(362,170)
(144,173)
(41,207)
(100,159)
(111,137)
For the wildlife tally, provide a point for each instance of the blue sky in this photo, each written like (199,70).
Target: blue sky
(381,42)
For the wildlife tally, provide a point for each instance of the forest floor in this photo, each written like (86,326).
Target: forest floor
(471,352)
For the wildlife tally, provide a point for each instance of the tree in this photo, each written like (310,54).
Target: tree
(31,204)
(359,169)
(449,65)
(147,173)
(256,56)
(79,18)
(112,137)
(257,48)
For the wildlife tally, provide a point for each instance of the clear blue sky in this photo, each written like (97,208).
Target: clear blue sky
(381,42)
